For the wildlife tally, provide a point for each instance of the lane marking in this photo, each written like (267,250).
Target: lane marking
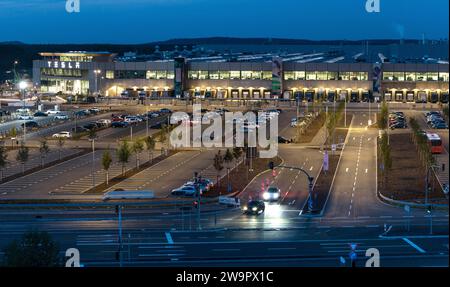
(414,245)
(169,238)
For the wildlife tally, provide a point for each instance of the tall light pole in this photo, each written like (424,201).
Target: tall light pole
(22,86)
(96,72)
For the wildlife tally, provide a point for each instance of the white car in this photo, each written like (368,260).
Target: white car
(61,117)
(52,112)
(104,122)
(186,190)
(62,135)
(23,111)
(25,117)
(131,119)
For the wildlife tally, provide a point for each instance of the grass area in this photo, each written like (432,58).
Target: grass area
(312,129)
(406,179)
(240,177)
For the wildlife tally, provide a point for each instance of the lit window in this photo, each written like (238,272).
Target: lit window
(150,75)
(235,75)
(443,77)
(109,75)
(214,75)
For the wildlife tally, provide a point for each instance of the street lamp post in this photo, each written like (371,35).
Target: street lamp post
(96,72)
(93,162)
(22,86)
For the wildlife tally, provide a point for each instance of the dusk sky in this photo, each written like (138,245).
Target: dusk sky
(141,21)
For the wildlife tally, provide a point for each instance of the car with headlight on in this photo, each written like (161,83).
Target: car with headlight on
(254,207)
(272,194)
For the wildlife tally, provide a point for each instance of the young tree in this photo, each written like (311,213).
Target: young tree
(218,164)
(44,149)
(106,163)
(150,144)
(13,135)
(123,155)
(228,159)
(3,160)
(164,136)
(237,153)
(61,141)
(137,148)
(384,116)
(23,155)
(34,249)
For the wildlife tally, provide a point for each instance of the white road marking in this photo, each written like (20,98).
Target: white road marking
(169,238)
(414,245)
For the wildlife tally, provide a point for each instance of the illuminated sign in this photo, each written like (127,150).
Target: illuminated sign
(63,65)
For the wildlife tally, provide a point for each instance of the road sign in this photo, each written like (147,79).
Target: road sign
(325,162)
(333,147)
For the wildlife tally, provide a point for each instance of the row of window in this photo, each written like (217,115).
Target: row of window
(230,75)
(61,72)
(148,75)
(326,76)
(415,76)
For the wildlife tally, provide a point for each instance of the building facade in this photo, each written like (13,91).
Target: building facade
(84,73)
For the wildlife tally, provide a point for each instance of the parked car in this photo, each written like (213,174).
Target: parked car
(440,125)
(25,117)
(61,117)
(81,113)
(165,111)
(94,110)
(398,125)
(254,207)
(30,124)
(62,135)
(283,140)
(153,114)
(186,190)
(90,126)
(132,119)
(40,114)
(53,112)
(103,122)
(118,124)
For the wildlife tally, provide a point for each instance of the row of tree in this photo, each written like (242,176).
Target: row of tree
(333,119)
(124,152)
(384,146)
(221,161)
(423,148)
(23,154)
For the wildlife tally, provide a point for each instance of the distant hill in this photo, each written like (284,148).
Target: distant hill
(26,53)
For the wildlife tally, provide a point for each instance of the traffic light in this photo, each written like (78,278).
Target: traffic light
(271,165)
(196,204)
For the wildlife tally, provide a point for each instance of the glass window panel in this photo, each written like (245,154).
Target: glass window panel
(311,76)
(267,75)
(235,75)
(161,75)
(170,75)
(289,75)
(433,77)
(322,76)
(443,77)
(256,75)
(399,76)
(345,76)
(332,76)
(224,75)
(193,75)
(246,75)
(300,75)
(150,75)
(388,76)
(421,77)
(410,76)
(214,75)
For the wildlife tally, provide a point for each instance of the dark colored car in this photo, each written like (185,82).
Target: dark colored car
(30,124)
(90,126)
(81,113)
(119,124)
(165,111)
(40,114)
(398,125)
(283,140)
(254,207)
